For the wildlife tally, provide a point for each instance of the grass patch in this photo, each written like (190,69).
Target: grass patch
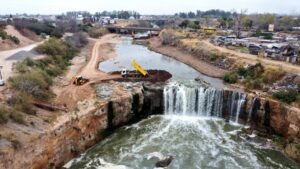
(4,114)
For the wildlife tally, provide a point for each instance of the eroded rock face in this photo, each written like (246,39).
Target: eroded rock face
(293,151)
(278,120)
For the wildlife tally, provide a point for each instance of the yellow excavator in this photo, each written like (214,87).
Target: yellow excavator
(79,80)
(140,72)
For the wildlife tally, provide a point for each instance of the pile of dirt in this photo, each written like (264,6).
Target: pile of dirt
(153,76)
(11,30)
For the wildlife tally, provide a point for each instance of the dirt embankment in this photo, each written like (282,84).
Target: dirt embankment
(30,38)
(253,59)
(182,56)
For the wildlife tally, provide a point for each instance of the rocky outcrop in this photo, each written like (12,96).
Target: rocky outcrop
(75,131)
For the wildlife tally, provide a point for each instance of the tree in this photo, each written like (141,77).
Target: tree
(238,21)
(184,24)
(247,22)
(191,15)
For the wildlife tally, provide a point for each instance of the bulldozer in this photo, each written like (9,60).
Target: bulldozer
(79,80)
(140,72)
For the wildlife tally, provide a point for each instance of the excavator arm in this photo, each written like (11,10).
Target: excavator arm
(139,68)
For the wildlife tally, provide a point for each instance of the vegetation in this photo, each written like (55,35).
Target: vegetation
(34,26)
(169,37)
(35,77)
(254,77)
(4,36)
(190,24)
(119,14)
(231,77)
(96,32)
(286,95)
(78,40)
(4,114)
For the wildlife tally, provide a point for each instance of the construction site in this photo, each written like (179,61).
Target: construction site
(85,90)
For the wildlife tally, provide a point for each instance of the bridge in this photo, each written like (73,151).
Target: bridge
(130,30)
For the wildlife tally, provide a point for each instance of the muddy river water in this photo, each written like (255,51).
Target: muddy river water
(195,142)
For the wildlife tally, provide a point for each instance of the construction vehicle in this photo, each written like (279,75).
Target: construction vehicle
(2,83)
(79,80)
(139,71)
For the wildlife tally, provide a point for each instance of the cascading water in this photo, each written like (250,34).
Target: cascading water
(202,101)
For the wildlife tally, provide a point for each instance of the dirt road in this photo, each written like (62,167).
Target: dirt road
(70,94)
(7,63)
(252,59)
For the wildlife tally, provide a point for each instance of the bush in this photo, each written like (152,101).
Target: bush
(17,117)
(22,102)
(78,40)
(272,75)
(4,114)
(168,38)
(97,32)
(34,83)
(231,77)
(54,47)
(56,34)
(14,39)
(286,95)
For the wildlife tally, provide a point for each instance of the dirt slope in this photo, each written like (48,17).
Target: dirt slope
(7,44)
(201,66)
(252,59)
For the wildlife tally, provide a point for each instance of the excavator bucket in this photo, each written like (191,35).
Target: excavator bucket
(139,68)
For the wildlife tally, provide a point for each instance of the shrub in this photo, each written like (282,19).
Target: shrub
(254,83)
(22,102)
(286,95)
(272,75)
(34,83)
(78,40)
(14,39)
(4,114)
(17,117)
(231,77)
(97,32)
(169,38)
(53,47)
(56,34)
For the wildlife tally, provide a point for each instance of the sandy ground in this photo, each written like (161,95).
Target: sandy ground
(253,59)
(69,94)
(186,58)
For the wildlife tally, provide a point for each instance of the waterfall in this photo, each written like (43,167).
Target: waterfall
(202,101)
(253,107)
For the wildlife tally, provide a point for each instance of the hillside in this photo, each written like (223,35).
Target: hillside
(8,44)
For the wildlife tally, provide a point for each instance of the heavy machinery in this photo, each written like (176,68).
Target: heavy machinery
(140,72)
(2,83)
(79,80)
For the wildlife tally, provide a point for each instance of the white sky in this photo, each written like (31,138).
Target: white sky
(147,6)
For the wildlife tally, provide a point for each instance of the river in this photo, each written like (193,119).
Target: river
(191,131)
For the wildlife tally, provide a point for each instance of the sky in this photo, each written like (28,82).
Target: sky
(147,6)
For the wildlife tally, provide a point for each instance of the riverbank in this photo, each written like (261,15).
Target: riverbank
(53,138)
(205,68)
